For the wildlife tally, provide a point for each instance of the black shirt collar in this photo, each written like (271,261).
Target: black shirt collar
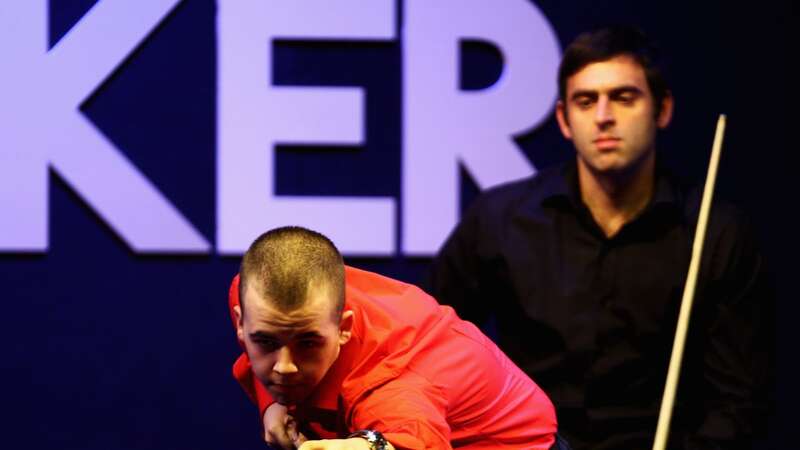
(559,186)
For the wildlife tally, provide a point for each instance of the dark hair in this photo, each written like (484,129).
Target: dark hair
(606,43)
(285,264)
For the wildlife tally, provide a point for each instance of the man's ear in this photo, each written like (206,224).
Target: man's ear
(665,115)
(346,326)
(237,311)
(561,117)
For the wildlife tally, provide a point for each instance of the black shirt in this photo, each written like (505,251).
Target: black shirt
(591,319)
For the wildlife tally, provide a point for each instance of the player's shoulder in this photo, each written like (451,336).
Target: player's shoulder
(723,213)
(526,193)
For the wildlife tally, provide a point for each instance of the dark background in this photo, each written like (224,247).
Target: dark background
(107,349)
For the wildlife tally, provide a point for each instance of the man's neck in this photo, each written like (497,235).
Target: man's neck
(616,199)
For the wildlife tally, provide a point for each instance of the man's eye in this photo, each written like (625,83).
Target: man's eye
(627,98)
(584,102)
(309,344)
(268,345)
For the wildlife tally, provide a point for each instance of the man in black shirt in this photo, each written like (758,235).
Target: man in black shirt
(583,267)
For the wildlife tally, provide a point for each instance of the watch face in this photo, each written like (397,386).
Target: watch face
(375,438)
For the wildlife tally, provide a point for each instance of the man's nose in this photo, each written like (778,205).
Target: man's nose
(603,115)
(284,365)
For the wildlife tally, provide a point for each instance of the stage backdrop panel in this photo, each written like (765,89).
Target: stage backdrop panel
(144,145)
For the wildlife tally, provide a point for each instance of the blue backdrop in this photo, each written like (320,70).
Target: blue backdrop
(106,348)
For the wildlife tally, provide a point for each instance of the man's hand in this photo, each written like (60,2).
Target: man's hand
(280,429)
(340,444)
(336,444)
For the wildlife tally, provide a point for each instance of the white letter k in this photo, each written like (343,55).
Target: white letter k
(41,125)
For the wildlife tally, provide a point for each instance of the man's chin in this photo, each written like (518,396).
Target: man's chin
(284,402)
(283,399)
(286,397)
(612,166)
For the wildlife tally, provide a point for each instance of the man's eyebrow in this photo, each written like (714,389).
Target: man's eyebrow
(310,335)
(625,90)
(593,93)
(273,337)
(583,93)
(263,335)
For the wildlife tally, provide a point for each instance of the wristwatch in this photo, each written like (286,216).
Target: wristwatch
(374,438)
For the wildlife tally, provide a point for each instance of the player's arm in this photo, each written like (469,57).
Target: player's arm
(739,346)
(458,272)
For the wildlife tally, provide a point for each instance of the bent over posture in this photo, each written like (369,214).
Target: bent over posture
(340,358)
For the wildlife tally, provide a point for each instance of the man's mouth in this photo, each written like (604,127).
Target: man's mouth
(607,142)
(283,386)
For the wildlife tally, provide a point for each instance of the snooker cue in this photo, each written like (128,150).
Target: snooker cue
(673,374)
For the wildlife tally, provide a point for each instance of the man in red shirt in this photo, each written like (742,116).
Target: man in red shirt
(340,358)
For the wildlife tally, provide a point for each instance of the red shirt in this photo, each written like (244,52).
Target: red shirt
(420,375)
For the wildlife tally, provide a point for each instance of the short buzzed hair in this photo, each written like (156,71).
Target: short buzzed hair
(285,264)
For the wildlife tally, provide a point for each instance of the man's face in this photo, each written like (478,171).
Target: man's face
(610,115)
(290,352)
